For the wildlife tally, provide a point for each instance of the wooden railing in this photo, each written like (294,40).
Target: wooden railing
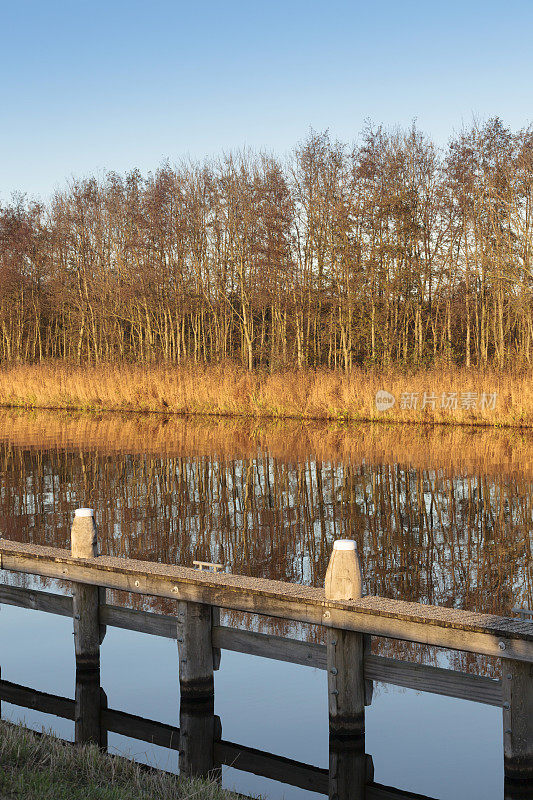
(348,618)
(408,674)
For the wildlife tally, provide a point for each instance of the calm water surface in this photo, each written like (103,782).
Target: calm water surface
(441,517)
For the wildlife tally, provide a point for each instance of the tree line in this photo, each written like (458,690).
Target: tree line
(391,251)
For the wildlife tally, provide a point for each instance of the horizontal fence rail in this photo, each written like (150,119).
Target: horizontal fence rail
(410,675)
(452,628)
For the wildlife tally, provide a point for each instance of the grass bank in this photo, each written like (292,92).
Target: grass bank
(456,396)
(41,767)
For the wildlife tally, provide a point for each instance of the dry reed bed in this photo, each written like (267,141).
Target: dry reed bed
(450,449)
(227,389)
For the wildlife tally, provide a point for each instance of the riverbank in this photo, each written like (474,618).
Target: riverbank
(42,767)
(444,396)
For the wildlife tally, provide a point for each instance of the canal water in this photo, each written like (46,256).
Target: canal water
(440,516)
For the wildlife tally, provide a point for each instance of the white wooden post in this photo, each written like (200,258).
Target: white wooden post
(85,598)
(87,634)
(345,649)
(346,681)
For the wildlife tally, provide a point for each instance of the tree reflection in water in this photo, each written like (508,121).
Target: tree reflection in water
(441,516)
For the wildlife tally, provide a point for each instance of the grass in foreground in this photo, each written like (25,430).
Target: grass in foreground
(309,394)
(42,767)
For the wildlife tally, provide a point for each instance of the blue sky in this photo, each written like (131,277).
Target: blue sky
(91,86)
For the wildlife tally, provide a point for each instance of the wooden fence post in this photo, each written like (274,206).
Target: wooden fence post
(195,650)
(346,681)
(215,622)
(517,679)
(215,610)
(345,649)
(199,730)
(90,701)
(196,665)
(87,633)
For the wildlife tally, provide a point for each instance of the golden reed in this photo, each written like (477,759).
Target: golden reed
(451,450)
(307,394)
